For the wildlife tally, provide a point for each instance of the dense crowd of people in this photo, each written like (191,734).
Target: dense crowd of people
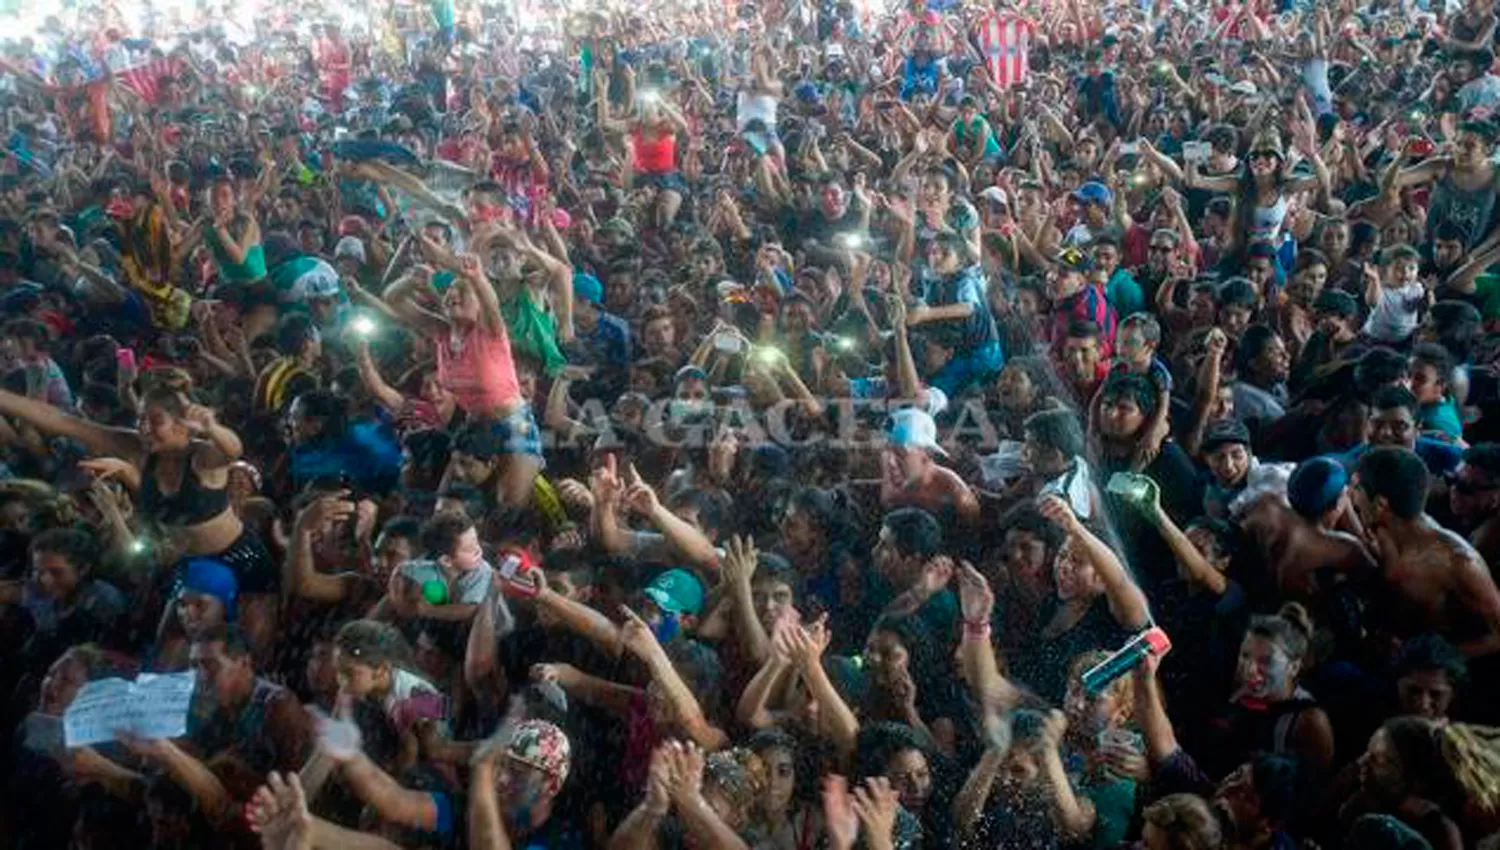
(733,425)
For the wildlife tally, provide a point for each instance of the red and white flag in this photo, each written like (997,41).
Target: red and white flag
(1005,41)
(145,80)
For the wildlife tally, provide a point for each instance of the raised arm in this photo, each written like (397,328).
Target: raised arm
(683,536)
(99,439)
(302,577)
(486,828)
(1126,601)
(401,297)
(686,711)
(369,375)
(738,568)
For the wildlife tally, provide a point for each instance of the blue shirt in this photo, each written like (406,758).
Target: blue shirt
(967,286)
(368,455)
(609,342)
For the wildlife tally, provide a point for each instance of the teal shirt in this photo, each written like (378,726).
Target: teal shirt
(1443,418)
(1114,805)
(965,134)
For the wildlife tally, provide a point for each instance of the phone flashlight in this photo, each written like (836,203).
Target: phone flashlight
(362,326)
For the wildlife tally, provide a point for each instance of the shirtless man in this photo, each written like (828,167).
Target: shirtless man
(910,478)
(1299,539)
(1437,581)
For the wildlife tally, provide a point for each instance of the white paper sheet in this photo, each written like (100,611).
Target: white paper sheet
(152,707)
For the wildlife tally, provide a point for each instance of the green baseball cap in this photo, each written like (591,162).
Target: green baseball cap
(677,591)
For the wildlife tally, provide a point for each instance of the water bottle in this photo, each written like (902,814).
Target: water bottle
(1152,641)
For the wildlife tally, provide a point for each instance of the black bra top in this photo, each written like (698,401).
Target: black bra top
(192,504)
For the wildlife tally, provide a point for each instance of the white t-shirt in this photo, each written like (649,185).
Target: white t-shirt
(753,106)
(1395,316)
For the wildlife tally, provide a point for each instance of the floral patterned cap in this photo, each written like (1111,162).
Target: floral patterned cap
(543,746)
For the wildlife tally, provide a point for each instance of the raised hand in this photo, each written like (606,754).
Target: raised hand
(639,496)
(740,561)
(936,574)
(278,812)
(659,779)
(838,813)
(1053,728)
(875,805)
(687,761)
(637,636)
(1059,512)
(335,507)
(198,418)
(605,484)
(974,594)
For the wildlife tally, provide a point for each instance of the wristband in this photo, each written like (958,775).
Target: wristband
(976,629)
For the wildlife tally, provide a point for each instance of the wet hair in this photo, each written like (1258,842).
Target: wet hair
(1378,367)
(428,447)
(914,532)
(374,643)
(771,567)
(1238,292)
(1436,356)
(1448,231)
(405,527)
(1399,476)
(1392,397)
(1136,388)
(1458,325)
(1289,628)
(1485,457)
(1257,339)
(1186,821)
(699,666)
(1225,534)
(1146,323)
(1056,429)
(75,544)
(1431,652)
(714,508)
(828,510)
(236,642)
(293,332)
(1309,257)
(329,407)
(439,535)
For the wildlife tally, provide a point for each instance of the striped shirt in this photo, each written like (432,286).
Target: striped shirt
(1005,41)
(1088,304)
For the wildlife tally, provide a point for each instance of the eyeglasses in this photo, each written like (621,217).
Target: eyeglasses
(1254,155)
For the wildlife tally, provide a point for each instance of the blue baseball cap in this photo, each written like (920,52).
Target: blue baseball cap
(1094,192)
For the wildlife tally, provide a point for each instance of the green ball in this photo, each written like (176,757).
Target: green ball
(435,592)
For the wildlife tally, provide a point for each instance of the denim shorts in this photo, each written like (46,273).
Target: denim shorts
(516,434)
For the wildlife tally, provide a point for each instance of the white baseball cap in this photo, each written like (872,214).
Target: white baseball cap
(913,428)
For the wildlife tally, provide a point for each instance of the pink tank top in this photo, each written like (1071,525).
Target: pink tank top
(481,373)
